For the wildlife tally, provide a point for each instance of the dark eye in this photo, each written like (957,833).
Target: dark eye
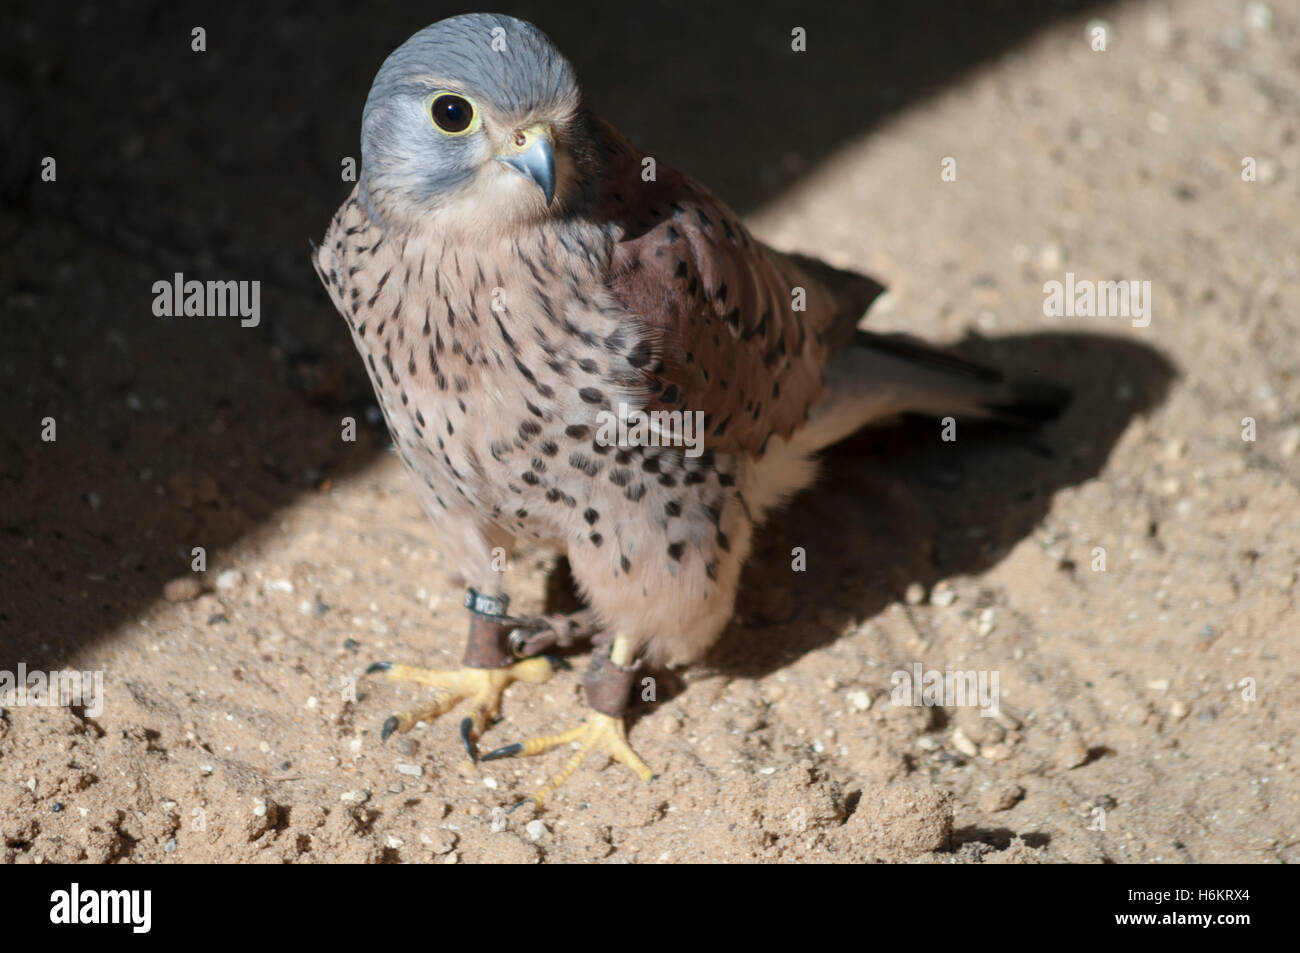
(451,113)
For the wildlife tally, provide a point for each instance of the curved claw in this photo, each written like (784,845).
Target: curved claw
(378,667)
(390,725)
(505,751)
(558,664)
(467,737)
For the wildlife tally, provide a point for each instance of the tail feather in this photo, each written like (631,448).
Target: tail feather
(881,377)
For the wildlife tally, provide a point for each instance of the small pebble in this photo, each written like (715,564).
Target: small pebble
(1051,257)
(182,590)
(413,770)
(442,842)
(943,595)
(858,701)
(170,846)
(915,594)
(230,579)
(536,829)
(1071,753)
(964,744)
(1000,797)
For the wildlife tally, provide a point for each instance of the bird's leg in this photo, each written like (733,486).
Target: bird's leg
(493,651)
(609,682)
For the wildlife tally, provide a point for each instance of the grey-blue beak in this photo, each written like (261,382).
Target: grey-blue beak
(535,160)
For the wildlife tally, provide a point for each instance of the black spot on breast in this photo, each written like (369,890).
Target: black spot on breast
(675,551)
(580,461)
(591,395)
(590,516)
(577,431)
(640,355)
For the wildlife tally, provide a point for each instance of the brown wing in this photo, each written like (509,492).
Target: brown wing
(720,306)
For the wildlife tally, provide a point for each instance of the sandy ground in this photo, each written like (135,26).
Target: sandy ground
(1148,708)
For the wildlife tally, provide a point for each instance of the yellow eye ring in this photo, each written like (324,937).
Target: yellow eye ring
(452,114)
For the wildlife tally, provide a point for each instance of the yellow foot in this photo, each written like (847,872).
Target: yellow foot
(599,732)
(481,686)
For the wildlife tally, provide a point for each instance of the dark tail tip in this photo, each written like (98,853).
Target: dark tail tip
(1032,402)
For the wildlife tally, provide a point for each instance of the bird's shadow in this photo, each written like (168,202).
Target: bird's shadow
(899,505)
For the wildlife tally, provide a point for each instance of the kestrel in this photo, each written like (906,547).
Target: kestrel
(517,276)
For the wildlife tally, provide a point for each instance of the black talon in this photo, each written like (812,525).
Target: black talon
(378,667)
(558,664)
(466,726)
(503,752)
(389,727)
(519,804)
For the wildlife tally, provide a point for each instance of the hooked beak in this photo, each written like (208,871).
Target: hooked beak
(533,156)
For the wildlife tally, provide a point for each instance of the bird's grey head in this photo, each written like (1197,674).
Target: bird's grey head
(476,118)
